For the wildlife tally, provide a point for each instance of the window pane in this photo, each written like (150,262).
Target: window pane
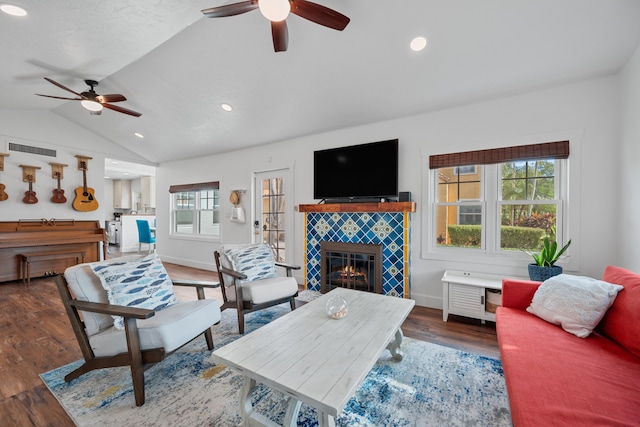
(184,221)
(185,200)
(454,186)
(459,226)
(524,226)
(209,224)
(533,180)
(209,199)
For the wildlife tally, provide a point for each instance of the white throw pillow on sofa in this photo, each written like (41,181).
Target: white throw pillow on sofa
(574,302)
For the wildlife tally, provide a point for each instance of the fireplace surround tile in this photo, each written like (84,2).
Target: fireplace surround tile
(389,229)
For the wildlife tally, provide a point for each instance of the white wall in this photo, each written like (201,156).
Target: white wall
(47,130)
(589,109)
(629,176)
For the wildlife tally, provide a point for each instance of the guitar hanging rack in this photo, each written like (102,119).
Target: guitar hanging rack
(57,173)
(29,175)
(85,200)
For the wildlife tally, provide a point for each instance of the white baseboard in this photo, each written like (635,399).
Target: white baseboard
(427,300)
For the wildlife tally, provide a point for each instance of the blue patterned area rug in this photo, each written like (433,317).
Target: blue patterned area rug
(432,386)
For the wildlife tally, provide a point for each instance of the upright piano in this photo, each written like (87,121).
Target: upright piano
(28,237)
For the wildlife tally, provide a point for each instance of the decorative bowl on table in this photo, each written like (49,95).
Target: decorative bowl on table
(337,307)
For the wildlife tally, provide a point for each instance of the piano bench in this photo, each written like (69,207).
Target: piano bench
(27,259)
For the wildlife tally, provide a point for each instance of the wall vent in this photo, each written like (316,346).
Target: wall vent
(31,149)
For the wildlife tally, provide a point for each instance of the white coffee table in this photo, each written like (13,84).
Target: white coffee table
(314,359)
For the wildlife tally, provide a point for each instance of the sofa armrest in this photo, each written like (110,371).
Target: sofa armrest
(518,293)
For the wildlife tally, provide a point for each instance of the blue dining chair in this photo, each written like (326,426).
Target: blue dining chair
(144,235)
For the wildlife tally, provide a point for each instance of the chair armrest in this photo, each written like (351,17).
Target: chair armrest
(518,293)
(233,273)
(114,310)
(196,283)
(200,285)
(288,266)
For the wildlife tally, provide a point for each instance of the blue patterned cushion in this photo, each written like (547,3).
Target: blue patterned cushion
(255,261)
(143,283)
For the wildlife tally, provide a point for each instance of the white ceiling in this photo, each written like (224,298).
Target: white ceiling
(176,67)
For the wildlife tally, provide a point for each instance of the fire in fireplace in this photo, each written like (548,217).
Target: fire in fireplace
(351,265)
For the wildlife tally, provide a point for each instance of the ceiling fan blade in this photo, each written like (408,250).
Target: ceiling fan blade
(60,97)
(230,9)
(319,14)
(122,110)
(280,34)
(116,97)
(62,87)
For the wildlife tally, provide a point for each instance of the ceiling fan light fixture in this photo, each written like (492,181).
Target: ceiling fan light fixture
(91,105)
(418,43)
(275,10)
(13,10)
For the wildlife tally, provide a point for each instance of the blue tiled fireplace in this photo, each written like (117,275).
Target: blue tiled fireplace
(386,228)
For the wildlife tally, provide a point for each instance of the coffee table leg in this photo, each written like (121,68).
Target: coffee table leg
(325,420)
(394,346)
(246,408)
(291,416)
(251,418)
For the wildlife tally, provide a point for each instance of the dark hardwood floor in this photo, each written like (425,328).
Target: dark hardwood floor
(37,337)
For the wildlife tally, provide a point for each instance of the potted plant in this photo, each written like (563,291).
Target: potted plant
(544,265)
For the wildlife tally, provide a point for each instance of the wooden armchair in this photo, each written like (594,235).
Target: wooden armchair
(247,294)
(148,335)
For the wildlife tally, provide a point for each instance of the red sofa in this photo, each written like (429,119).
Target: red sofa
(555,378)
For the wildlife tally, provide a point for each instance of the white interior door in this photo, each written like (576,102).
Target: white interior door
(273,216)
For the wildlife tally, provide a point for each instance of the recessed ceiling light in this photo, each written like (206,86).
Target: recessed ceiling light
(13,10)
(139,135)
(418,43)
(226,107)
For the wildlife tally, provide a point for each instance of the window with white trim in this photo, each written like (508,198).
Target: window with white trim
(195,210)
(505,203)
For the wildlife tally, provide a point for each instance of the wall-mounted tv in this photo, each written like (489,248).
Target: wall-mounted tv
(364,171)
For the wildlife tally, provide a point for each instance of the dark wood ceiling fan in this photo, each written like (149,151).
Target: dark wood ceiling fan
(96,102)
(305,9)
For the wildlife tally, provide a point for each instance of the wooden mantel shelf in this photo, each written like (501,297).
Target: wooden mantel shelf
(360,207)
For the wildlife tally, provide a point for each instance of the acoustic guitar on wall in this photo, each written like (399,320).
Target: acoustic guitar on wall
(85,200)
(30,196)
(58,193)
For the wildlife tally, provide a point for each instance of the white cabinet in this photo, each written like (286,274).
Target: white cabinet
(122,193)
(148,190)
(465,294)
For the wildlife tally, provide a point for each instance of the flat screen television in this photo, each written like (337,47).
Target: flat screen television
(356,172)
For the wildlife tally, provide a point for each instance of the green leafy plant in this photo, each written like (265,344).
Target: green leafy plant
(550,253)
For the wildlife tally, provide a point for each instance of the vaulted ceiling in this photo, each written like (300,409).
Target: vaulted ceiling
(177,67)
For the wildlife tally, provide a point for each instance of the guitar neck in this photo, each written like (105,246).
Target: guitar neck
(84,180)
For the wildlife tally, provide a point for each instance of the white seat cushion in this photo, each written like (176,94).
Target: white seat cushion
(266,290)
(170,328)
